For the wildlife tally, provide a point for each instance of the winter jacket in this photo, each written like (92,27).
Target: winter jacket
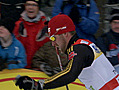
(14,54)
(46,58)
(28,33)
(89,18)
(109,44)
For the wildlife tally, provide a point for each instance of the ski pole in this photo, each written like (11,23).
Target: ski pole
(60,63)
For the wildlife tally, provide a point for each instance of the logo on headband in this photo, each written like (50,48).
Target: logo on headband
(57,29)
(61,28)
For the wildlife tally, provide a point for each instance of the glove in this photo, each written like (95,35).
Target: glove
(66,2)
(26,83)
(75,15)
(3,64)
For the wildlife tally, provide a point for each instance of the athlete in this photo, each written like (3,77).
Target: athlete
(86,61)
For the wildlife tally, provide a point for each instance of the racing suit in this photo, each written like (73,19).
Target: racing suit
(89,65)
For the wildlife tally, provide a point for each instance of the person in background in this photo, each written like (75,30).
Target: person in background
(28,29)
(86,61)
(109,42)
(84,13)
(47,2)
(112,2)
(11,8)
(46,59)
(12,52)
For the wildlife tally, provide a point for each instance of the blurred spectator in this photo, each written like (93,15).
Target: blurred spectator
(29,27)
(47,2)
(12,8)
(85,16)
(109,42)
(12,52)
(45,59)
(113,1)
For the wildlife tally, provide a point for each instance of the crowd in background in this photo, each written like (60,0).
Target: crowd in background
(31,20)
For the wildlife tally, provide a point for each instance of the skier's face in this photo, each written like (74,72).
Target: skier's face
(31,9)
(60,42)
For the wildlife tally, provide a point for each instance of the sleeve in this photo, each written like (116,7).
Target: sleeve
(80,60)
(90,20)
(100,42)
(90,17)
(57,7)
(16,29)
(20,56)
(47,54)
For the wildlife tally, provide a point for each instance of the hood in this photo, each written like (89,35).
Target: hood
(38,17)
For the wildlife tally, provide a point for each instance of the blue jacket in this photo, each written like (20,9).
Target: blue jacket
(14,52)
(90,21)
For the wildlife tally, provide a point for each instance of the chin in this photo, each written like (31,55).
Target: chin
(31,17)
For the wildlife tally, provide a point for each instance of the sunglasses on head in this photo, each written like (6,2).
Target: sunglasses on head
(53,38)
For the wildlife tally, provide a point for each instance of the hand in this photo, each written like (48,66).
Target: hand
(26,83)
(4,32)
(75,14)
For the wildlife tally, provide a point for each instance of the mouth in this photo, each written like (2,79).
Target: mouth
(30,11)
(31,14)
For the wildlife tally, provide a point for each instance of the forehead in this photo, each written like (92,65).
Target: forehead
(58,36)
(115,21)
(2,25)
(31,2)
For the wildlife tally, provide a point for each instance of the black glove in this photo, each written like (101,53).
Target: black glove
(3,64)
(75,15)
(26,83)
(66,2)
